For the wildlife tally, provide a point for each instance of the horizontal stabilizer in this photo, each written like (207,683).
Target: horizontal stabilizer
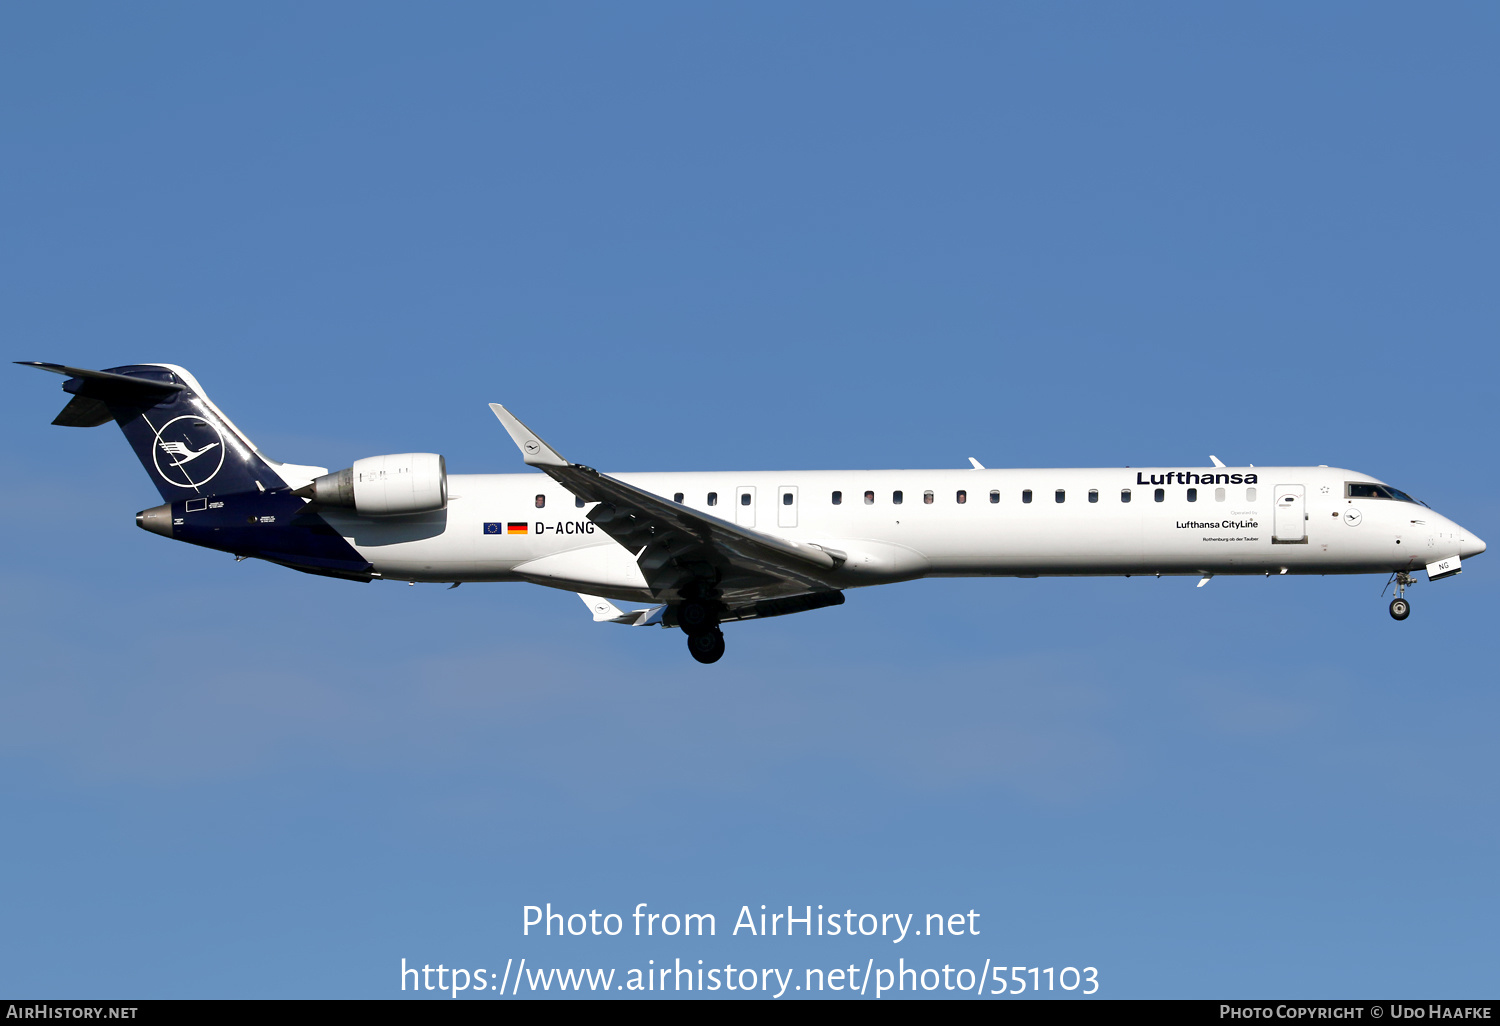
(107,384)
(82,411)
(93,392)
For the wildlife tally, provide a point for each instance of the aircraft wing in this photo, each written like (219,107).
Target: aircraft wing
(680,550)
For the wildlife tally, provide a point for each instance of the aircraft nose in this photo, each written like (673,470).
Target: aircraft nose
(1470,544)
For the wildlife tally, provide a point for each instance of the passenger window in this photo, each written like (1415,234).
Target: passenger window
(962,497)
(927,498)
(1093,495)
(1249,494)
(995,496)
(838,498)
(786,498)
(1124,494)
(713,498)
(676,496)
(541,500)
(1026,495)
(896,498)
(869,498)
(1192,495)
(1061,496)
(745,499)
(1161,494)
(1218,495)
(578,502)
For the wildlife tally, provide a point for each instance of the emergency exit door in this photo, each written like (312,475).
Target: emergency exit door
(1290,517)
(744,505)
(786,506)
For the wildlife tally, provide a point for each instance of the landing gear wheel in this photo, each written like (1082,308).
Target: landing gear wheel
(707,648)
(1400,609)
(695,617)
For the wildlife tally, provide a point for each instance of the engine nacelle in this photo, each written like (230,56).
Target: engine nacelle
(385,486)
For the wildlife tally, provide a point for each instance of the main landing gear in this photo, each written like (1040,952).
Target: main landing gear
(707,648)
(700,622)
(1400,608)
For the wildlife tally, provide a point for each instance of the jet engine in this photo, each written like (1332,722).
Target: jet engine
(385,486)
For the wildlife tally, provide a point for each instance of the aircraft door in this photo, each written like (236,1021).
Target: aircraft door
(786,506)
(744,505)
(1291,515)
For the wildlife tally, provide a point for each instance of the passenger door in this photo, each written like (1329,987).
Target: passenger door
(1290,518)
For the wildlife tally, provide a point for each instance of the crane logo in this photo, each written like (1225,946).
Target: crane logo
(189,451)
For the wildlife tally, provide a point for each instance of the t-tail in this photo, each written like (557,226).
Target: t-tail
(190,449)
(220,492)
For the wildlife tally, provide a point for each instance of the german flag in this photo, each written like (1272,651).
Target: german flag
(515,528)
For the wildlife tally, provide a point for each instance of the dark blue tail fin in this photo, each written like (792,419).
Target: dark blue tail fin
(188,447)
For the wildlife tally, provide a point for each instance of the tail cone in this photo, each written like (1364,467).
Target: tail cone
(157,520)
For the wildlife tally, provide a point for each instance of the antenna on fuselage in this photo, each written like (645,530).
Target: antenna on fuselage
(1216,461)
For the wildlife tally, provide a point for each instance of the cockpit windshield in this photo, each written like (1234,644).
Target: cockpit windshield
(1370,490)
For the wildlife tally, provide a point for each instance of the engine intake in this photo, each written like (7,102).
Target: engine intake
(385,486)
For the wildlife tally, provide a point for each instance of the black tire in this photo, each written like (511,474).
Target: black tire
(707,648)
(1400,609)
(695,617)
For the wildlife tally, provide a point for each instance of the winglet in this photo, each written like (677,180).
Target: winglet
(536,452)
(603,609)
(606,611)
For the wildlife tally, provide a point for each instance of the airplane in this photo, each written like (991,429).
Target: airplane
(709,548)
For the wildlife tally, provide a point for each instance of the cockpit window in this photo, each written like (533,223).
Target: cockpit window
(1364,490)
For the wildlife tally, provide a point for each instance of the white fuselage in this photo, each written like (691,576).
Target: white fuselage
(1291,519)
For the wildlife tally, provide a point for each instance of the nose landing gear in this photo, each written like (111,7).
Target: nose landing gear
(1400,608)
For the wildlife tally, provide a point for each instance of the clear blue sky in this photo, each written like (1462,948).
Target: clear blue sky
(687,236)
